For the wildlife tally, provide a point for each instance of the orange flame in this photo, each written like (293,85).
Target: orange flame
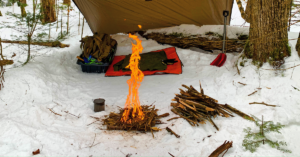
(134,83)
(140,26)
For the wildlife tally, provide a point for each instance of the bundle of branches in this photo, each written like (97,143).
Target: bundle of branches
(99,46)
(113,121)
(196,107)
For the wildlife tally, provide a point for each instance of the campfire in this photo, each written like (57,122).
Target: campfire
(134,116)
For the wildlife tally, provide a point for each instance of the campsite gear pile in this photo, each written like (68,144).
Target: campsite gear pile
(113,121)
(98,53)
(196,107)
(221,58)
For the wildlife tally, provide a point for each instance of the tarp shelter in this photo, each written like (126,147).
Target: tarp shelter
(115,16)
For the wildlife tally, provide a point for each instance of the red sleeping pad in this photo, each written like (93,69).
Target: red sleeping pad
(171,69)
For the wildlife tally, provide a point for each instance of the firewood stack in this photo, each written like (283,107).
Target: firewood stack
(98,46)
(196,107)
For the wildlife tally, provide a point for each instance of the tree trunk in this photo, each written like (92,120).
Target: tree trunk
(298,45)
(268,37)
(22,6)
(0,13)
(67,2)
(48,9)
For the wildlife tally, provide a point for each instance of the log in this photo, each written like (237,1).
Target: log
(49,44)
(225,146)
(6,62)
(205,43)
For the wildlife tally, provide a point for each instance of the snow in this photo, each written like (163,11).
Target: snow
(53,80)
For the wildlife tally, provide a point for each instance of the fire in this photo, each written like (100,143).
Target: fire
(134,83)
(140,26)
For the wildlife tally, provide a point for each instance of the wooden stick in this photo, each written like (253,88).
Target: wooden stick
(225,146)
(252,93)
(234,110)
(201,89)
(164,115)
(172,132)
(173,118)
(262,103)
(242,83)
(171,154)
(54,112)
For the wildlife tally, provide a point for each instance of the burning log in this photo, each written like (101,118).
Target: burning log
(196,107)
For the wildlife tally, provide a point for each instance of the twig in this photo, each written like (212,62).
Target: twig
(296,88)
(293,72)
(172,132)
(171,154)
(93,141)
(54,112)
(242,83)
(201,89)
(92,122)
(252,93)
(262,103)
(72,114)
(173,118)
(238,70)
(152,103)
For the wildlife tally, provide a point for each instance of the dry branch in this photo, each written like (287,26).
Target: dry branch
(242,83)
(49,44)
(224,147)
(262,103)
(54,112)
(173,118)
(171,154)
(172,132)
(252,93)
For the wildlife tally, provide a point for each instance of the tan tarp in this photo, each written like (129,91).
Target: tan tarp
(114,16)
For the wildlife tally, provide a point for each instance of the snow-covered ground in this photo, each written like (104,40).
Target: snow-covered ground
(53,80)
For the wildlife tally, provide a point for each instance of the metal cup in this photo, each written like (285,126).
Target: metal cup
(99,105)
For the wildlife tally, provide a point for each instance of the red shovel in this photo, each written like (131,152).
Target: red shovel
(221,58)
